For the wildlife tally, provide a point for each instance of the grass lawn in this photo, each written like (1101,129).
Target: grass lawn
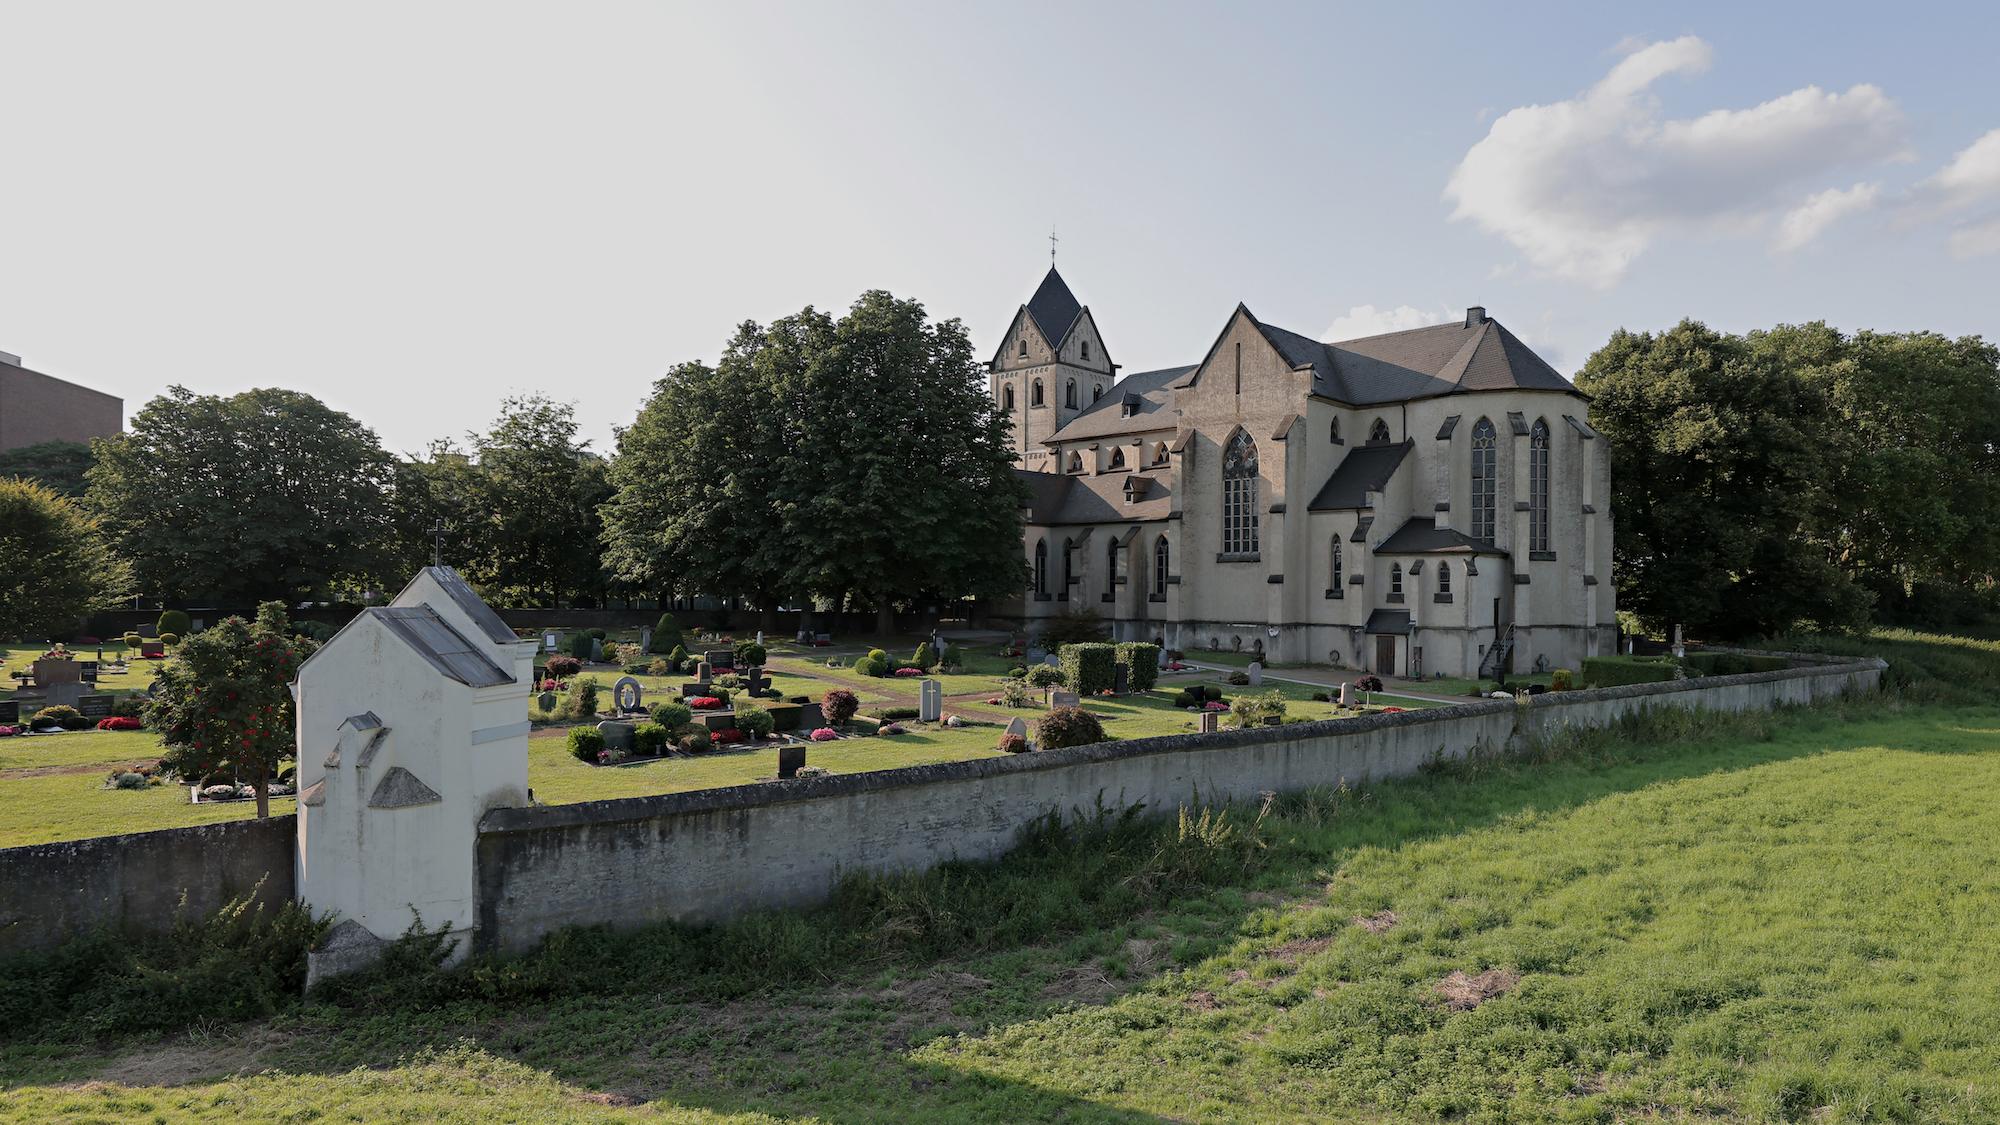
(52,788)
(1762,917)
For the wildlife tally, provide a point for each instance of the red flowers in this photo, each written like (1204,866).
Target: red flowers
(705,703)
(729,734)
(118,722)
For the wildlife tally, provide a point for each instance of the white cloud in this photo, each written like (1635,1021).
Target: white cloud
(1582,187)
(1821,210)
(1976,240)
(1367,320)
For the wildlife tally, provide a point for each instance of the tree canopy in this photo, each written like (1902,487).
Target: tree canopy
(265,494)
(55,562)
(60,465)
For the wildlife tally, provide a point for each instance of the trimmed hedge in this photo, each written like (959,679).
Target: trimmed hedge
(1731,663)
(1619,671)
(1142,664)
(1089,668)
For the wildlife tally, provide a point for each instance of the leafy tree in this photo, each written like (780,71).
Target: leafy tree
(60,465)
(442,488)
(901,482)
(265,494)
(225,701)
(56,564)
(1719,461)
(544,488)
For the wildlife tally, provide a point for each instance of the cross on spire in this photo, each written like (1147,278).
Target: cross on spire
(437,543)
(1052,247)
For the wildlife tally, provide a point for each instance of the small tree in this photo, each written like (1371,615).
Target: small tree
(55,563)
(225,700)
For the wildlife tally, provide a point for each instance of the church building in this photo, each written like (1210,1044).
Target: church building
(1417,503)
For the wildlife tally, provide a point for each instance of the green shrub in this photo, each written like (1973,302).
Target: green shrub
(1016,694)
(1091,667)
(649,739)
(1731,663)
(1068,726)
(722,693)
(1081,626)
(755,721)
(173,621)
(1189,697)
(1253,710)
(130,780)
(839,706)
(894,714)
(62,714)
(597,634)
(667,636)
(584,743)
(925,657)
(679,659)
(951,657)
(874,664)
(1017,673)
(672,715)
(1239,679)
(578,645)
(581,700)
(1045,676)
(1561,680)
(1142,664)
(1618,671)
(696,740)
(749,654)
(170,639)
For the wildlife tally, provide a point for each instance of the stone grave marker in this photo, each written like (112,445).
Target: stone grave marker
(548,700)
(930,701)
(1347,695)
(89,670)
(95,706)
(1036,653)
(1052,661)
(1163,656)
(703,672)
(617,735)
(811,717)
(1121,679)
(151,650)
(646,638)
(756,682)
(596,650)
(10,712)
(1060,698)
(1256,673)
(51,672)
(548,642)
(1208,721)
(822,638)
(1017,727)
(791,756)
(760,638)
(720,659)
(805,636)
(627,692)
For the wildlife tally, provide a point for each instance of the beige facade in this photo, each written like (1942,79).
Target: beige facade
(35,408)
(1401,504)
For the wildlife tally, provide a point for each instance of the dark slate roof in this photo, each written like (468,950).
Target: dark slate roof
(1365,469)
(1103,418)
(366,720)
(1422,536)
(1418,363)
(475,607)
(1388,621)
(444,647)
(1078,498)
(1054,308)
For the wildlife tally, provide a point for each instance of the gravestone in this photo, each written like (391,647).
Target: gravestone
(805,637)
(617,735)
(822,638)
(94,707)
(1051,661)
(1256,673)
(596,650)
(645,638)
(760,638)
(10,712)
(720,659)
(89,670)
(930,701)
(1121,679)
(1680,646)
(547,700)
(1017,728)
(1060,698)
(1036,654)
(151,650)
(703,672)
(1208,721)
(1347,695)
(627,692)
(811,717)
(1163,656)
(51,672)
(549,641)
(62,695)
(791,756)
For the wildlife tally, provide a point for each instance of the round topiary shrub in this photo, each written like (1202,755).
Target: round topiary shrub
(696,740)
(1239,679)
(749,654)
(672,716)
(1068,726)
(1045,676)
(173,621)
(839,705)
(755,721)
(563,667)
(170,639)
(1016,673)
(585,743)
(649,739)
(578,646)
(62,715)
(1561,680)
(667,635)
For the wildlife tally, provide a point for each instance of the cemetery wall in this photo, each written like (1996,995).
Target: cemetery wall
(709,855)
(52,892)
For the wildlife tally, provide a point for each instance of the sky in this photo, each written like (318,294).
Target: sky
(415,210)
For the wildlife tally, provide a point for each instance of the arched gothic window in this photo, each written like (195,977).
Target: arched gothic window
(1379,431)
(1007,398)
(1444,579)
(1484,470)
(1160,566)
(1041,566)
(1110,566)
(1159,453)
(1075,461)
(1396,580)
(1239,495)
(1069,394)
(1096,392)
(1339,575)
(1117,456)
(1538,487)
(1035,395)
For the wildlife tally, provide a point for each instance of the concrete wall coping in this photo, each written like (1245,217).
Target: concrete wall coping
(767,793)
(220,829)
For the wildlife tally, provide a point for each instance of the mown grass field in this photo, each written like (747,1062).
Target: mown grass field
(1785,917)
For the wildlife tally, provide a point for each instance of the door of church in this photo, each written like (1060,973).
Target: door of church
(1385,654)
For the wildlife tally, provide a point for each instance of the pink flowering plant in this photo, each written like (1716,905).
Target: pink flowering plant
(823,734)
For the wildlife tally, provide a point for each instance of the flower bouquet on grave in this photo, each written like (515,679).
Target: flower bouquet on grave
(1215,705)
(705,703)
(729,734)
(823,734)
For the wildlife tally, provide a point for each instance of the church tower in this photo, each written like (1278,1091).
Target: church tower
(1050,366)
